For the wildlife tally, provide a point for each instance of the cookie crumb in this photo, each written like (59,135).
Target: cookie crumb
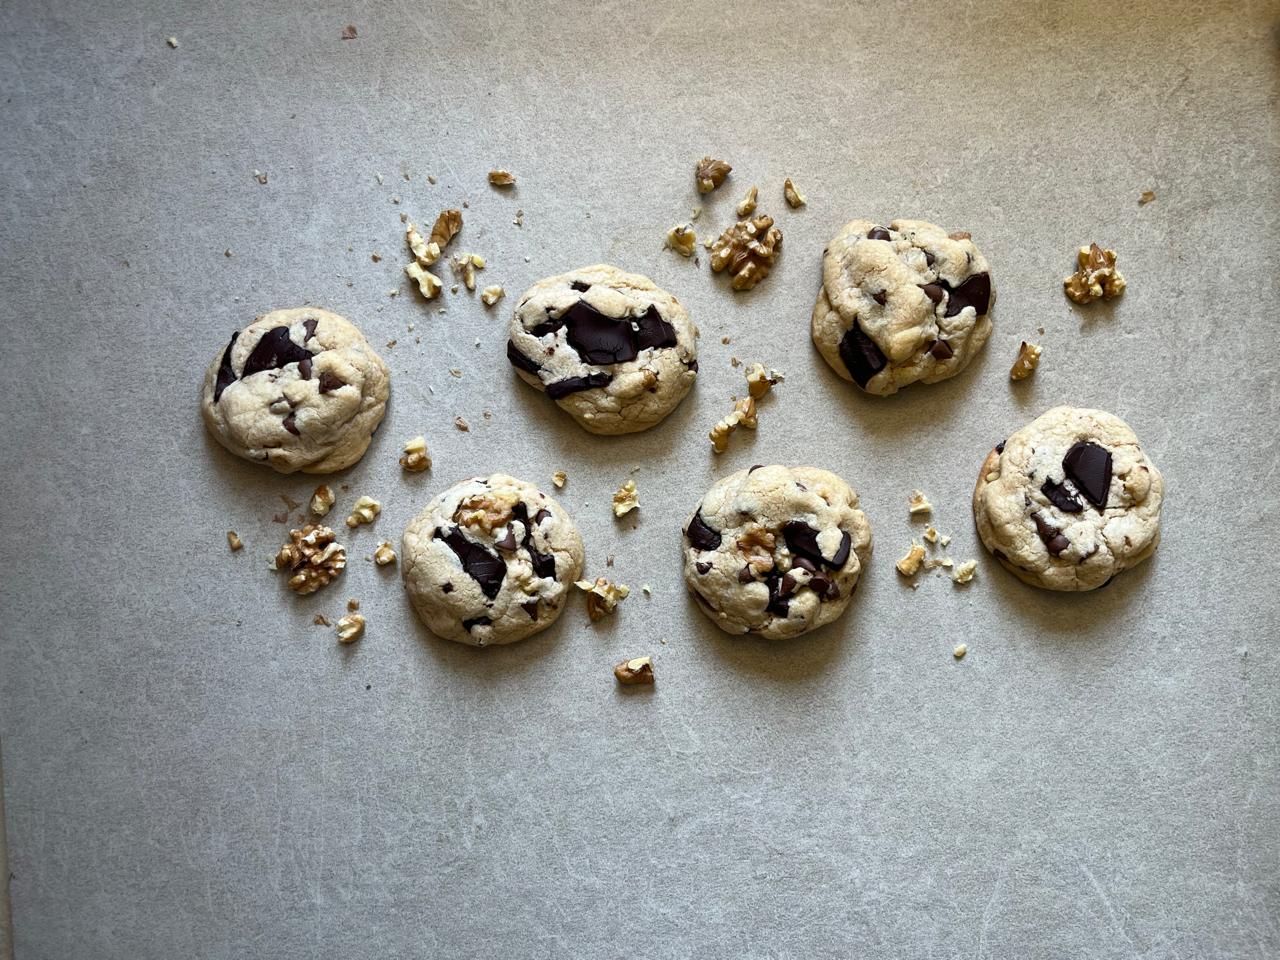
(960,650)
(322,500)
(631,672)
(312,558)
(748,249)
(626,499)
(1025,364)
(760,381)
(385,554)
(172,42)
(559,478)
(918,504)
(795,199)
(431,179)
(501,178)
(365,511)
(234,541)
(910,565)
(416,458)
(747,205)
(320,620)
(603,597)
(965,571)
(695,212)
(682,240)
(492,294)
(724,340)
(462,424)
(710,173)
(349,32)
(1097,277)
(350,628)
(1146,197)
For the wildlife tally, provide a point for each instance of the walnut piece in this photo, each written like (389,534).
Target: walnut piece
(603,597)
(755,547)
(747,205)
(464,267)
(366,510)
(711,173)
(748,249)
(635,671)
(1146,197)
(424,251)
(501,178)
(1097,278)
(626,499)
(353,605)
(931,534)
(350,628)
(349,32)
(429,284)
(682,240)
(312,558)
(446,227)
(909,565)
(743,414)
(761,381)
(1025,364)
(234,541)
(486,511)
(384,555)
(918,503)
(462,424)
(793,196)
(492,294)
(322,500)
(960,650)
(560,478)
(416,459)
(965,571)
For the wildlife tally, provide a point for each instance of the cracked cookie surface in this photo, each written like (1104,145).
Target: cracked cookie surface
(614,350)
(490,561)
(901,304)
(776,551)
(1070,500)
(297,389)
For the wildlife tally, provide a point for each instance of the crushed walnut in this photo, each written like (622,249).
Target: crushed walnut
(559,478)
(429,284)
(960,650)
(682,240)
(626,499)
(603,597)
(426,252)
(446,227)
(1025,364)
(918,503)
(415,458)
(312,558)
(234,541)
(366,510)
(384,555)
(634,671)
(462,424)
(1097,278)
(747,205)
(464,267)
(910,565)
(964,572)
(501,178)
(350,628)
(492,294)
(793,196)
(748,249)
(710,174)
(761,381)
(488,511)
(322,500)
(743,414)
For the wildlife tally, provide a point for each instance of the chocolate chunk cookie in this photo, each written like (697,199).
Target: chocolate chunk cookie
(490,561)
(297,390)
(614,350)
(899,304)
(776,551)
(1069,501)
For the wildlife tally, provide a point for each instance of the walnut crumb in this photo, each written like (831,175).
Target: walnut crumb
(350,628)
(964,572)
(353,604)
(415,458)
(365,511)
(747,205)
(501,178)
(794,197)
(626,499)
(349,32)
(748,250)
(960,650)
(944,540)
(172,42)
(322,500)
(603,597)
(918,503)
(320,620)
(635,671)
(492,294)
(710,174)
(384,555)
(743,414)
(910,565)
(559,478)
(682,240)
(1097,277)
(462,424)
(464,267)
(931,534)
(1146,197)
(312,558)
(761,381)
(1025,364)
(234,541)
(260,176)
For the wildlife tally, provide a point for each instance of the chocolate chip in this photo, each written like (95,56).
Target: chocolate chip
(702,568)
(304,368)
(692,365)
(802,540)
(580,286)
(562,388)
(485,568)
(1061,497)
(290,423)
(226,376)
(544,564)
(310,325)
(508,543)
(540,516)
(475,622)
(329,381)
(974,292)
(653,331)
(746,575)
(549,325)
(941,350)
(788,586)
(1089,467)
(933,291)
(778,604)
(862,358)
(824,588)
(518,359)
(842,552)
(880,297)
(754,467)
(929,258)
(1000,447)
(804,564)
(447,588)
(531,608)
(273,351)
(1053,539)
(878,233)
(701,536)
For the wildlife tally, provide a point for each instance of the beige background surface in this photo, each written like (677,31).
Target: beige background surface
(191,768)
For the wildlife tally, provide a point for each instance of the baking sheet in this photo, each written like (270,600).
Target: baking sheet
(191,768)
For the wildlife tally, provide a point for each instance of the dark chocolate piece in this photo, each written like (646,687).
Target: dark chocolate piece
(549,325)
(273,351)
(508,543)
(540,516)
(692,365)
(746,575)
(447,588)
(653,331)
(862,358)
(802,540)
(1000,447)
(304,368)
(290,423)
(1061,497)
(580,285)
(1053,539)
(1089,467)
(778,604)
(804,564)
(226,376)
(701,536)
(531,608)
(703,568)
(974,292)
(562,388)
(485,568)
(518,359)
(881,298)
(933,291)
(329,381)
(941,350)
(597,338)
(309,325)
(929,258)
(544,564)
(878,233)
(842,552)
(754,467)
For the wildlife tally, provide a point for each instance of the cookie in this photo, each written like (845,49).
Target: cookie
(614,350)
(297,389)
(1069,501)
(776,551)
(490,561)
(902,304)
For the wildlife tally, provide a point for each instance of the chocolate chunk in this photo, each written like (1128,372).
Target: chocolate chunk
(597,338)
(304,368)
(329,381)
(703,568)
(974,292)
(881,297)
(562,388)
(580,286)
(701,537)
(941,350)
(290,423)
(1053,539)
(746,575)
(475,622)
(933,291)
(824,588)
(518,359)
(309,325)
(804,564)
(802,540)
(508,543)
(531,608)
(485,568)
(788,586)
(447,588)
(1089,467)
(929,258)
(1061,497)
(540,516)
(653,331)
(273,351)
(692,365)
(862,358)
(778,604)
(1000,447)
(226,376)
(544,564)
(842,552)
(549,325)
(878,233)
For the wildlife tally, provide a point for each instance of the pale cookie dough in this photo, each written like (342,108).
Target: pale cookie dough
(776,551)
(296,389)
(1069,501)
(490,561)
(901,304)
(614,350)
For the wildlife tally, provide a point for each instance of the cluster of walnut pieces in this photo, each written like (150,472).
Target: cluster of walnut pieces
(748,250)
(312,558)
(487,511)
(427,251)
(603,597)
(1097,277)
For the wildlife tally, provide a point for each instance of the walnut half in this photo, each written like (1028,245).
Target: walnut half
(312,558)
(748,250)
(711,173)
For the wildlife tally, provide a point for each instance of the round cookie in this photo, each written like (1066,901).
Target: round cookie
(775,550)
(1069,501)
(490,561)
(297,390)
(902,304)
(613,349)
